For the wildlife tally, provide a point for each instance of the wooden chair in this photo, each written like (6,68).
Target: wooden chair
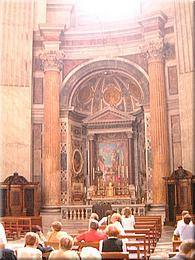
(115,255)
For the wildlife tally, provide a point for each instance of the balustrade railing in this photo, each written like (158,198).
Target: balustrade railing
(83,212)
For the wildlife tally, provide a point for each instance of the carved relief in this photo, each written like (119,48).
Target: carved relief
(52,60)
(153,50)
(112,95)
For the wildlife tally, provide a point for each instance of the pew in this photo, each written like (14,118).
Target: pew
(153,232)
(157,219)
(136,245)
(149,238)
(115,255)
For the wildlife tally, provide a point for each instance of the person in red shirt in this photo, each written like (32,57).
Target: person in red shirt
(92,235)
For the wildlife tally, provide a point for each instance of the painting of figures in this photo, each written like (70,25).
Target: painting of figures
(112,160)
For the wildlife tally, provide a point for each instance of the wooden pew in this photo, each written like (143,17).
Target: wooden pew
(79,245)
(151,222)
(146,232)
(153,232)
(136,244)
(115,255)
(55,245)
(158,220)
(176,244)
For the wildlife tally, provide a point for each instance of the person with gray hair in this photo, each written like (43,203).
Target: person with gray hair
(90,253)
(92,235)
(186,250)
(65,250)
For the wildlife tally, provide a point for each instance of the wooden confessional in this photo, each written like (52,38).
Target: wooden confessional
(180,193)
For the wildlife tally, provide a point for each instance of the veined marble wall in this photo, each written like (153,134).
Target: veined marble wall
(184,30)
(16,31)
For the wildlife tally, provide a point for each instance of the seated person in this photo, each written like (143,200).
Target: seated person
(112,243)
(6,253)
(41,240)
(128,220)
(107,219)
(181,222)
(56,233)
(64,251)
(92,235)
(184,231)
(90,253)
(186,250)
(3,235)
(116,219)
(30,250)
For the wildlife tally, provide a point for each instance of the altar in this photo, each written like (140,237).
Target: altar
(115,200)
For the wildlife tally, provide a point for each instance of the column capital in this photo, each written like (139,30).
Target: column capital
(52,60)
(129,134)
(154,50)
(90,137)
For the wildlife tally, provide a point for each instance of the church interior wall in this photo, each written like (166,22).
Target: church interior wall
(22,101)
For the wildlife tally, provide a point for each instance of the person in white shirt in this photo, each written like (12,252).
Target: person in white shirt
(185,231)
(30,251)
(117,221)
(107,219)
(128,220)
(3,235)
(181,222)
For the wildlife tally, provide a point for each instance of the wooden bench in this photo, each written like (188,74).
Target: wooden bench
(20,225)
(157,219)
(151,222)
(176,244)
(146,232)
(79,245)
(136,245)
(115,255)
(54,245)
(153,232)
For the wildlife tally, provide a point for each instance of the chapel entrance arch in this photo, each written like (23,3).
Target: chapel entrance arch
(103,107)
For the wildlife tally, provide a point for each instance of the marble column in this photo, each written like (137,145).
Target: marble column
(159,120)
(91,159)
(131,173)
(51,61)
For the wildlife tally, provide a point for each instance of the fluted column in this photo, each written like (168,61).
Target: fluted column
(159,121)
(51,61)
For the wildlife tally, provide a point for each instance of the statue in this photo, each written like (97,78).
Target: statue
(110,190)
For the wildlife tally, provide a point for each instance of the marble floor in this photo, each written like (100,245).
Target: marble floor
(163,247)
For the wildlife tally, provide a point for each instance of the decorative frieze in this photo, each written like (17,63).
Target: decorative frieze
(52,60)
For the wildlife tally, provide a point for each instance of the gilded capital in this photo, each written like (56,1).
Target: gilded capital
(52,60)
(154,50)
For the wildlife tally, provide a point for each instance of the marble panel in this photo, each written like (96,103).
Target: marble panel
(15,131)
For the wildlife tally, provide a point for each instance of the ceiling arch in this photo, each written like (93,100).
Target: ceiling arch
(117,83)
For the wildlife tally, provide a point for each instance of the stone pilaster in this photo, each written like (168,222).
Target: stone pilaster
(131,173)
(91,159)
(52,63)
(159,121)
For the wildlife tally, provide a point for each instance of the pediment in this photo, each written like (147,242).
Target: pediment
(108,115)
